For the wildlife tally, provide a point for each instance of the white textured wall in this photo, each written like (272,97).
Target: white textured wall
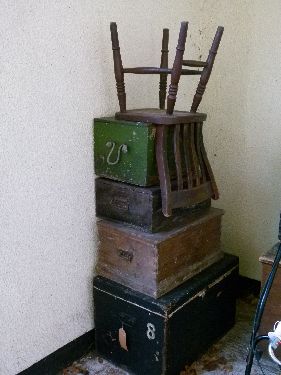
(243,131)
(56,74)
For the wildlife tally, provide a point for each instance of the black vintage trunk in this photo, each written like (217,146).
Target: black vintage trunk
(165,334)
(138,206)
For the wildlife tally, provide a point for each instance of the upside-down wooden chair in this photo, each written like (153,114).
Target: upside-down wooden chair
(195,181)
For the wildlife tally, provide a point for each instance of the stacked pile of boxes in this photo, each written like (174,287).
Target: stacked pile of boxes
(164,289)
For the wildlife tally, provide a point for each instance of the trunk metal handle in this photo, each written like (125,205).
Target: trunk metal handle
(120,203)
(122,148)
(126,255)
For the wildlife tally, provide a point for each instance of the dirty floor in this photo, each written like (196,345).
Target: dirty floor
(227,356)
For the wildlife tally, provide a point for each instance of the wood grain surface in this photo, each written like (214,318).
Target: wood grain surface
(157,263)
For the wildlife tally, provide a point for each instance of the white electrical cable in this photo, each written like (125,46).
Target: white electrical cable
(274,341)
(272,355)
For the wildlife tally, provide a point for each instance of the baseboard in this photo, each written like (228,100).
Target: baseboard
(64,356)
(247,286)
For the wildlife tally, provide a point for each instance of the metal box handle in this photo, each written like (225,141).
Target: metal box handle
(126,255)
(122,148)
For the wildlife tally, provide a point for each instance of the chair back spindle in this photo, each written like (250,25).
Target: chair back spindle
(209,172)
(177,153)
(163,169)
(187,155)
(194,156)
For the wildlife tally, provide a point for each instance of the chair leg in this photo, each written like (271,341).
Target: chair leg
(176,70)
(164,64)
(118,67)
(207,70)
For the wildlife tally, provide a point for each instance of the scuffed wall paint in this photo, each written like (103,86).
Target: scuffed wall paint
(56,75)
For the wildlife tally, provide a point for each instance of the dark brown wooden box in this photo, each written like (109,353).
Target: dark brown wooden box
(156,263)
(138,206)
(163,335)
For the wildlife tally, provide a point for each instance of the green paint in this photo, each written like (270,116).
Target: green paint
(138,165)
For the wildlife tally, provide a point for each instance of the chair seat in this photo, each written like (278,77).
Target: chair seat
(159,116)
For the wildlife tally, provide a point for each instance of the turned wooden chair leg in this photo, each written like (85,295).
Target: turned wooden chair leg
(177,68)
(118,67)
(207,70)
(164,64)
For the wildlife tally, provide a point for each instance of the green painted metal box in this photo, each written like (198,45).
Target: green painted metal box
(125,151)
